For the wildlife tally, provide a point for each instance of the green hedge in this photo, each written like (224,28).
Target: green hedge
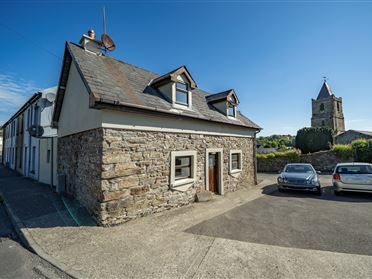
(314,139)
(362,149)
(288,154)
(344,151)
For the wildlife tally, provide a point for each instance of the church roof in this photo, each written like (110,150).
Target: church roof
(325,91)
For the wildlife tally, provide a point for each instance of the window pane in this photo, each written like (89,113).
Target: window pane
(183,161)
(182,86)
(182,173)
(181,97)
(231,111)
(235,161)
(183,167)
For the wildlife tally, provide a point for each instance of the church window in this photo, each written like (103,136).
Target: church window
(323,123)
(321,107)
(338,107)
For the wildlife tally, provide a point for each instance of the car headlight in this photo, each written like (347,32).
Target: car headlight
(280,179)
(315,181)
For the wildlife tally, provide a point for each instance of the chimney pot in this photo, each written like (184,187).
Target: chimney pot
(91,34)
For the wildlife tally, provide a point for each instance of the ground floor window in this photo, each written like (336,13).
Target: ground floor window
(183,168)
(235,161)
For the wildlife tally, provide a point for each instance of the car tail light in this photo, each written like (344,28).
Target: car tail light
(336,176)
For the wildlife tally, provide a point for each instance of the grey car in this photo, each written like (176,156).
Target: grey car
(353,177)
(299,177)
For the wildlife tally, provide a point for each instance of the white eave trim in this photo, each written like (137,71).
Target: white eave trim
(170,130)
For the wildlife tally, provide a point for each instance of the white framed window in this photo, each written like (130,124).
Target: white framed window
(183,169)
(236,161)
(231,110)
(181,96)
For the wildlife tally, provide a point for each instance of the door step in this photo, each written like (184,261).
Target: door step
(203,196)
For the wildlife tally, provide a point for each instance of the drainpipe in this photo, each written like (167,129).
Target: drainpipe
(52,163)
(38,164)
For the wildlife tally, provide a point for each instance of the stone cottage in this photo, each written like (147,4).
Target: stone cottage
(349,136)
(132,142)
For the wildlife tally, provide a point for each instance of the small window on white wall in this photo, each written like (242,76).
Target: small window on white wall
(183,169)
(236,161)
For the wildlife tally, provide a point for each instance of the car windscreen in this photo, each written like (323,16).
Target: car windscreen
(299,169)
(358,169)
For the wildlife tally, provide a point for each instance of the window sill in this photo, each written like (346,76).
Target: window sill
(182,185)
(181,107)
(231,117)
(235,173)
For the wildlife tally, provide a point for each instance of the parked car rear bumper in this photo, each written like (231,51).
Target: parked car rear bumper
(339,186)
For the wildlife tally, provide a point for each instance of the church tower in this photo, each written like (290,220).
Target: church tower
(327,110)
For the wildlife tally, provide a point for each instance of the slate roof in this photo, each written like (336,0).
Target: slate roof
(121,84)
(325,92)
(221,96)
(367,133)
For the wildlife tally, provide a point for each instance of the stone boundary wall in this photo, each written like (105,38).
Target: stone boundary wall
(119,175)
(324,161)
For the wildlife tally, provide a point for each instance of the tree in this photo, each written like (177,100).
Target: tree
(314,139)
(276,141)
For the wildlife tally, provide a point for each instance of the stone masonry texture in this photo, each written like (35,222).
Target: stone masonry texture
(120,174)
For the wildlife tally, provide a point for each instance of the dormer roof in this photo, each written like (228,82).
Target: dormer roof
(172,76)
(325,92)
(228,95)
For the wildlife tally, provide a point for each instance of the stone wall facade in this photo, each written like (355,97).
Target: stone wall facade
(324,161)
(131,170)
(80,159)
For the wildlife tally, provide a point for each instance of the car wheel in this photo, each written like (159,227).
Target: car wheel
(318,192)
(337,193)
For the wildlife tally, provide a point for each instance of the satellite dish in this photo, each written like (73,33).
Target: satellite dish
(36,131)
(44,103)
(108,42)
(50,97)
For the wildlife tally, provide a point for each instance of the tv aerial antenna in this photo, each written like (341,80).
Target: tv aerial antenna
(107,42)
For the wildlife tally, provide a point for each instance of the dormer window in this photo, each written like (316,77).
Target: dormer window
(182,94)
(225,102)
(230,110)
(176,86)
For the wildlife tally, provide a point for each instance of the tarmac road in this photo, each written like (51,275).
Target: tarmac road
(18,262)
(299,220)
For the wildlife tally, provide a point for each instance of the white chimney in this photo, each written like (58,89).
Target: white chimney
(90,44)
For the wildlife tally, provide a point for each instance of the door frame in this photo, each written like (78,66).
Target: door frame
(220,169)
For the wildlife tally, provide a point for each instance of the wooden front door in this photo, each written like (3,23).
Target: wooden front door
(213,172)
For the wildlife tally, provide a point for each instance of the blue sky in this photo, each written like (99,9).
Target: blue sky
(273,53)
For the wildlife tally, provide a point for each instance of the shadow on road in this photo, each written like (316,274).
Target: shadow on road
(37,205)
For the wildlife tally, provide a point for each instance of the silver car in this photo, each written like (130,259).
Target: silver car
(355,177)
(299,177)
